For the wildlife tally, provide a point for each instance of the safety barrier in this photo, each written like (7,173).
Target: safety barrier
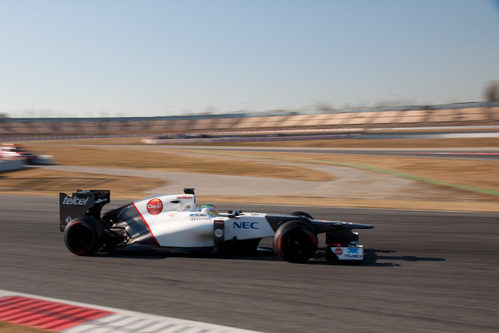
(44,159)
(11,165)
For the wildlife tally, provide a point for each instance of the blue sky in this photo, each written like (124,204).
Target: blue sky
(151,58)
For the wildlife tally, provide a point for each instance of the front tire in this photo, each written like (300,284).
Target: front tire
(295,241)
(84,236)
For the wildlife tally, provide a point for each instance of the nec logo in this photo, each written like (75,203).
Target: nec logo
(245,225)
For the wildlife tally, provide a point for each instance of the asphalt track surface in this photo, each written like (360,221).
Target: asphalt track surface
(426,271)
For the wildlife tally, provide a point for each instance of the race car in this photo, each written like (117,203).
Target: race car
(15,151)
(175,222)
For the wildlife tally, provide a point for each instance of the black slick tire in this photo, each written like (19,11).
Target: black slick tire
(84,236)
(295,241)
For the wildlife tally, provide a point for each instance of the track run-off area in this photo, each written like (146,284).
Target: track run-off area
(462,153)
(425,271)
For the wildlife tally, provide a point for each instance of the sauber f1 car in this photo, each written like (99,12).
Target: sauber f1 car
(14,152)
(174,221)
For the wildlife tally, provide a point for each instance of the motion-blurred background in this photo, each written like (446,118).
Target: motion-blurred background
(339,104)
(379,112)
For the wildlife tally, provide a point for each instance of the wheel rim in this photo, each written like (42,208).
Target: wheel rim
(297,244)
(80,239)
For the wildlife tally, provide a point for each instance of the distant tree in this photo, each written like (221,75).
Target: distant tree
(3,116)
(492,92)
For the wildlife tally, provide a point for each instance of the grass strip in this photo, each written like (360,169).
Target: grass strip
(408,176)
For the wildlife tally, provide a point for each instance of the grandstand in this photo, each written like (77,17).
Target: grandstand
(470,114)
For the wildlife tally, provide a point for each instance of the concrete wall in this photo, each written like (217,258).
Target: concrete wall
(10,165)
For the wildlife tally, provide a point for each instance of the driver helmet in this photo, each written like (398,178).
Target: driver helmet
(210,210)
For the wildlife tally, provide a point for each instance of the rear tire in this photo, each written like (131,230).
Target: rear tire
(84,236)
(295,241)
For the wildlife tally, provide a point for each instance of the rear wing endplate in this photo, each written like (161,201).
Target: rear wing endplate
(81,203)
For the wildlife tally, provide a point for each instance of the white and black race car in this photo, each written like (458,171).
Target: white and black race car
(174,221)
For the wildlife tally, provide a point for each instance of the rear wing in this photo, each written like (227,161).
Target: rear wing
(81,203)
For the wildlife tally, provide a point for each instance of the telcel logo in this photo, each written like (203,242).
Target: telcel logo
(245,225)
(75,201)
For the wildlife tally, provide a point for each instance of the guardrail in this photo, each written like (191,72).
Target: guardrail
(11,165)
(44,159)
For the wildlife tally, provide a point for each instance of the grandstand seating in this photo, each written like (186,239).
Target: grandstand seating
(445,115)
(362,119)
(201,124)
(413,116)
(494,114)
(271,122)
(314,120)
(225,123)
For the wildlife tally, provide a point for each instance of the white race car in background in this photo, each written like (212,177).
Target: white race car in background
(9,151)
(174,221)
(16,152)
